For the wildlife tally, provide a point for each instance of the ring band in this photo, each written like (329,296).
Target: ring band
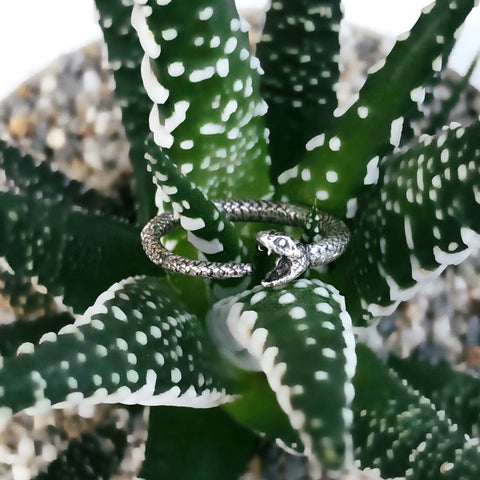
(294,256)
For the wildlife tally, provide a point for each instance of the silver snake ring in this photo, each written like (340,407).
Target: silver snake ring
(294,256)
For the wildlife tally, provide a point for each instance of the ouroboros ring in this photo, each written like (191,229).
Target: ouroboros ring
(294,256)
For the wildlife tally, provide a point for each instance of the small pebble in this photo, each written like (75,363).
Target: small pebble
(48,84)
(56,138)
(472,356)
(18,125)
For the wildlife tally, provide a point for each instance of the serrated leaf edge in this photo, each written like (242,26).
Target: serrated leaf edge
(143,396)
(242,328)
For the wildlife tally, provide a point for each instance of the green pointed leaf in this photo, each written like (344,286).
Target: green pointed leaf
(455,392)
(301,337)
(208,229)
(402,433)
(135,345)
(422,215)
(28,176)
(73,253)
(205,231)
(13,335)
(445,106)
(432,108)
(186,444)
(259,411)
(416,118)
(299,53)
(337,160)
(92,456)
(125,57)
(203,81)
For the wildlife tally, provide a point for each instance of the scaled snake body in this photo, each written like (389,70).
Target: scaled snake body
(294,256)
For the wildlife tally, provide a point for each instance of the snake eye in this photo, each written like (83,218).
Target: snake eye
(280,242)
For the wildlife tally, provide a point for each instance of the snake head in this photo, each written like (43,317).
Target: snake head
(292,258)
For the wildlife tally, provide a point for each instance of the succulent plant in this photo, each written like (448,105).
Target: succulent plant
(224,363)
